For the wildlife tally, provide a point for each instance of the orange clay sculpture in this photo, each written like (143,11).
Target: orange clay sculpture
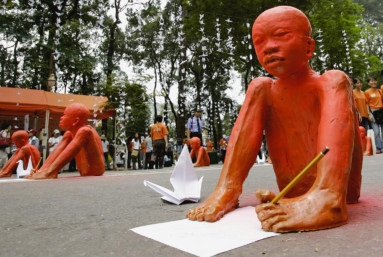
(202,157)
(80,141)
(23,152)
(301,112)
(366,142)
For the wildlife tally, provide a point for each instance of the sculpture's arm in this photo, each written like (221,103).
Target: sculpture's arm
(246,136)
(67,138)
(336,130)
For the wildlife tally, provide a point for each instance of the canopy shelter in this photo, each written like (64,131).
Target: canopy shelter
(19,102)
(48,105)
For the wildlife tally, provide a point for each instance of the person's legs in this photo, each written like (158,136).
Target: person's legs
(3,158)
(107,160)
(378,141)
(161,152)
(139,160)
(134,159)
(365,124)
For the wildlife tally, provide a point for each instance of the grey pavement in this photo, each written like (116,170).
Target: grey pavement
(92,216)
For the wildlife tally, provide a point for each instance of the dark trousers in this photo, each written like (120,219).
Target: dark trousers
(158,152)
(148,161)
(365,123)
(196,134)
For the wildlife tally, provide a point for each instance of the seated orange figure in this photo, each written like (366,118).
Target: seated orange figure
(366,142)
(24,152)
(80,141)
(301,112)
(209,146)
(202,157)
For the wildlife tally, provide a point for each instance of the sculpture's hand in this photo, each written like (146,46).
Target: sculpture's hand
(264,195)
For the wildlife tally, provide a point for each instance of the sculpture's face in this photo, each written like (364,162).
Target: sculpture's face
(281,44)
(195,143)
(67,119)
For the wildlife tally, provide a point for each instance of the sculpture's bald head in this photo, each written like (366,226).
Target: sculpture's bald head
(20,138)
(286,14)
(78,110)
(75,115)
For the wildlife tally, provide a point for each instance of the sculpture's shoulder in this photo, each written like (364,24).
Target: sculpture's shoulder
(260,84)
(336,79)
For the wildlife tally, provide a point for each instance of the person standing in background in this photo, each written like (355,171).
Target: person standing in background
(159,134)
(137,147)
(5,132)
(54,140)
(33,140)
(148,154)
(194,126)
(374,100)
(364,115)
(105,149)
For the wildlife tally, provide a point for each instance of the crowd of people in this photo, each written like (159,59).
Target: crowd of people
(369,106)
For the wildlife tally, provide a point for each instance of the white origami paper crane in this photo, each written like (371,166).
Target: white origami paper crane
(184,180)
(20,169)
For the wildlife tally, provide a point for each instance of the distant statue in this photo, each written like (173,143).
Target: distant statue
(366,142)
(301,112)
(24,152)
(80,141)
(202,157)
(209,146)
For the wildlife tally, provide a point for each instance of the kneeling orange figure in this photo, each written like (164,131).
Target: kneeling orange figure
(202,157)
(24,152)
(366,142)
(301,112)
(80,141)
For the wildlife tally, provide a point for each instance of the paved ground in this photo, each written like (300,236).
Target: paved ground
(92,216)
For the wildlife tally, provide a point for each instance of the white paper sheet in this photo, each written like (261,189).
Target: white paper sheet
(237,228)
(184,180)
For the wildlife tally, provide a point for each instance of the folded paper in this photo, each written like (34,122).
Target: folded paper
(184,180)
(20,169)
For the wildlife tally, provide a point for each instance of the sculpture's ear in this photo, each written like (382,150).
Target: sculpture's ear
(76,121)
(310,47)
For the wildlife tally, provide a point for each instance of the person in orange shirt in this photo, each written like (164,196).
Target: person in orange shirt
(374,100)
(159,134)
(365,117)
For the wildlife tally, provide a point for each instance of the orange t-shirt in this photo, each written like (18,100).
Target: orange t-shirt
(360,102)
(373,98)
(158,131)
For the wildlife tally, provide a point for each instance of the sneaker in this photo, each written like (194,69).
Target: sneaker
(378,152)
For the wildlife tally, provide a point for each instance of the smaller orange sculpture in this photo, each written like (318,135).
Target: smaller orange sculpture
(199,152)
(366,142)
(209,146)
(80,141)
(23,152)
